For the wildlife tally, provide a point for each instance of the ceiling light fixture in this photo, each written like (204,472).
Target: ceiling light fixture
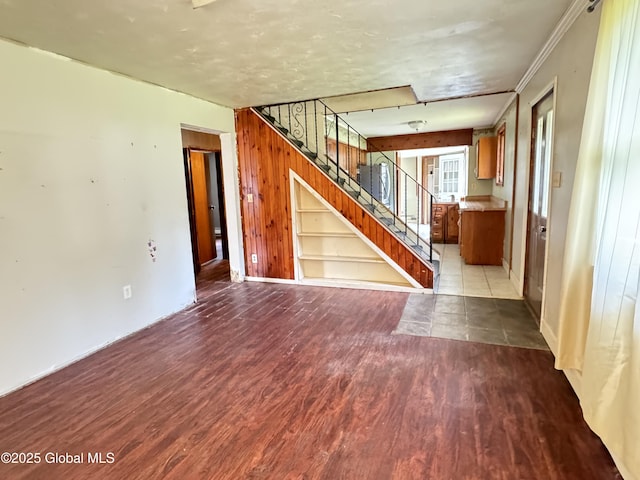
(417,125)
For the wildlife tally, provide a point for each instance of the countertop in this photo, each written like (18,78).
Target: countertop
(486,203)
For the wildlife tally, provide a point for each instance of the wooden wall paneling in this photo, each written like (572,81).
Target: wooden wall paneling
(247,208)
(386,244)
(352,211)
(380,236)
(259,204)
(258,212)
(324,185)
(423,275)
(448,138)
(367,224)
(414,270)
(255,206)
(303,166)
(376,233)
(269,248)
(281,224)
(360,213)
(243,161)
(402,258)
(280,234)
(278,223)
(394,250)
(331,195)
(249,211)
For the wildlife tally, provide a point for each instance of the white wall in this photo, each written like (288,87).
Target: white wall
(410,176)
(571,63)
(91,170)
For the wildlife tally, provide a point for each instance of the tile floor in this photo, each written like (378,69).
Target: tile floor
(457,278)
(481,320)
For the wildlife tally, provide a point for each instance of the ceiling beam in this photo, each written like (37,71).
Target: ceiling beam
(447,138)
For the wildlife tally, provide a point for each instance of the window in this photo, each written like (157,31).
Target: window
(500,155)
(450,167)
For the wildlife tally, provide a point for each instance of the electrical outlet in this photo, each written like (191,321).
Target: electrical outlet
(126,292)
(250,197)
(254,258)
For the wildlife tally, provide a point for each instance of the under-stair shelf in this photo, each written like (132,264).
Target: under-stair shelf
(329,249)
(327,234)
(338,258)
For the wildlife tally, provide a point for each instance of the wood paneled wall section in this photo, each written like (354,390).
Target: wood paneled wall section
(264,159)
(350,156)
(448,138)
(200,140)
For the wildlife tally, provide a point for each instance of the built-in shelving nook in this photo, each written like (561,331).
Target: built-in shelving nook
(330,250)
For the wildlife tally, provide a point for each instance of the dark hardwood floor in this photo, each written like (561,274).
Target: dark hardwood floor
(265,381)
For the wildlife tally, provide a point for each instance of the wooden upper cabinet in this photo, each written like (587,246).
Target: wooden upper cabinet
(486,154)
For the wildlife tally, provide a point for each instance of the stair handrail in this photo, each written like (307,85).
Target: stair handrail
(337,119)
(396,166)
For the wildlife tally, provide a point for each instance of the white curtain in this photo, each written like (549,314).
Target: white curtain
(600,321)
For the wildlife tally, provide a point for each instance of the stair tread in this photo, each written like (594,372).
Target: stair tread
(338,258)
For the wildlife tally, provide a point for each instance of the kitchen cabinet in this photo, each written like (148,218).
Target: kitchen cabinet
(486,157)
(444,223)
(482,230)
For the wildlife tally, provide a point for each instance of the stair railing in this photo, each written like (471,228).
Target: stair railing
(320,134)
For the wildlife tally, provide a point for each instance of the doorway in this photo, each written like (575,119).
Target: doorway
(206,205)
(538,209)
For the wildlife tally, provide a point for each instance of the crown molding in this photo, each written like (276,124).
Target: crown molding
(565,23)
(504,109)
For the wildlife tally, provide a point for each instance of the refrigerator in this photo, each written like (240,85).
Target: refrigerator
(376,180)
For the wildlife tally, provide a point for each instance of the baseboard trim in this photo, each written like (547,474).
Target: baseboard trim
(338,284)
(550,337)
(515,282)
(285,281)
(574,376)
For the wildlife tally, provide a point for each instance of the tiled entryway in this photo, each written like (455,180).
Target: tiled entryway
(480,320)
(457,278)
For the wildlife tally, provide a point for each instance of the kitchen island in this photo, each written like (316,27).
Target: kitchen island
(482,229)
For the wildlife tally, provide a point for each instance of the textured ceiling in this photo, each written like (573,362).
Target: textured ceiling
(252,52)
